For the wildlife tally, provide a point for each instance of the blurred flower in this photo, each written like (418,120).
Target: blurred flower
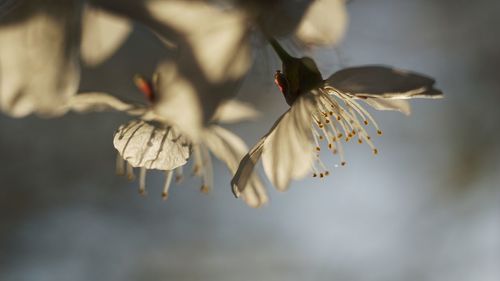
(326,110)
(150,143)
(39,54)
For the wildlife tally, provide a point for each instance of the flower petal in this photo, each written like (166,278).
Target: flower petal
(178,101)
(288,148)
(383,82)
(145,145)
(103,34)
(402,106)
(234,111)
(39,56)
(246,168)
(88,102)
(324,23)
(229,148)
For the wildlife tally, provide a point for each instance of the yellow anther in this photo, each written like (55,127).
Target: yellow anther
(379,132)
(375,151)
(204,188)
(360,141)
(164,195)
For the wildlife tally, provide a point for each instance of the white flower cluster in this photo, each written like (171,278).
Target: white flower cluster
(42,41)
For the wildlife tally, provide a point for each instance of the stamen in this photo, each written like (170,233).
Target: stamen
(130,172)
(166,186)
(142,181)
(208,170)
(179,175)
(120,165)
(198,161)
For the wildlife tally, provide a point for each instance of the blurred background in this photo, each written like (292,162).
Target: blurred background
(426,208)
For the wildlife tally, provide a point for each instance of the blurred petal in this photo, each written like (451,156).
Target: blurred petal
(383,82)
(103,34)
(229,148)
(39,56)
(402,106)
(153,147)
(246,168)
(288,148)
(234,111)
(324,23)
(88,102)
(178,101)
(218,38)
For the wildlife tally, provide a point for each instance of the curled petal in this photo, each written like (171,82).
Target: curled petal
(383,82)
(143,144)
(103,34)
(39,56)
(246,168)
(324,23)
(229,148)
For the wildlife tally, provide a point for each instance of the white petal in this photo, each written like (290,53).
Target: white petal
(88,102)
(324,23)
(39,56)
(178,102)
(383,82)
(145,145)
(402,106)
(234,111)
(245,171)
(217,38)
(230,149)
(288,149)
(103,34)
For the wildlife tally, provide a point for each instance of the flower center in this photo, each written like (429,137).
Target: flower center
(338,117)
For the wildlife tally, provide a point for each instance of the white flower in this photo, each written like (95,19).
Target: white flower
(326,111)
(151,143)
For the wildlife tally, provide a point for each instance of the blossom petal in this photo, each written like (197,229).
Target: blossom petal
(229,148)
(88,102)
(178,101)
(288,149)
(246,168)
(383,82)
(234,111)
(402,106)
(103,33)
(217,38)
(39,56)
(146,145)
(324,23)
